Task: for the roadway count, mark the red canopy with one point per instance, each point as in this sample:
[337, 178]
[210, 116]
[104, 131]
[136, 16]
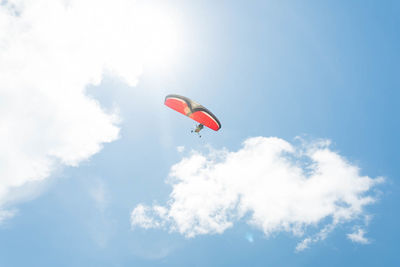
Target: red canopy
[193, 110]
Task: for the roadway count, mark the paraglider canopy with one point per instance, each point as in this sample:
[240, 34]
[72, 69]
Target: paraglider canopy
[193, 110]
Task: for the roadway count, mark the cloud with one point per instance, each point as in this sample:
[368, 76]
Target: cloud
[144, 216]
[273, 185]
[358, 237]
[6, 214]
[321, 235]
[50, 51]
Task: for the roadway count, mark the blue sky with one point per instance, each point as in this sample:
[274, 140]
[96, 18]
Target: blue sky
[267, 68]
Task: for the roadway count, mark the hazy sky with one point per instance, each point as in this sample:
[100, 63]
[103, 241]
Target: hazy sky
[96, 171]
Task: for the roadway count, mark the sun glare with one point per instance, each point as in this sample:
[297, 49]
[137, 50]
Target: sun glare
[160, 34]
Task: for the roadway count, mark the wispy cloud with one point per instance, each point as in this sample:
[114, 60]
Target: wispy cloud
[50, 50]
[358, 237]
[273, 184]
[145, 216]
[321, 235]
[6, 214]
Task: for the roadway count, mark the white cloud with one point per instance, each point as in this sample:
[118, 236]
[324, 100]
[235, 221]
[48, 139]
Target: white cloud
[358, 237]
[270, 183]
[321, 235]
[144, 216]
[50, 50]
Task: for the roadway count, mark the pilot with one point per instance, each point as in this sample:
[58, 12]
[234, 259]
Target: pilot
[198, 129]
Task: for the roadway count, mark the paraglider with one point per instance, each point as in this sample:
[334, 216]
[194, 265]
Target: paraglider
[193, 110]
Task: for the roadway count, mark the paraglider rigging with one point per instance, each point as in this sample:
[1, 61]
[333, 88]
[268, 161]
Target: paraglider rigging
[199, 127]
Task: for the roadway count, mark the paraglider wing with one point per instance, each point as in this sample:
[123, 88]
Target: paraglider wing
[193, 110]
